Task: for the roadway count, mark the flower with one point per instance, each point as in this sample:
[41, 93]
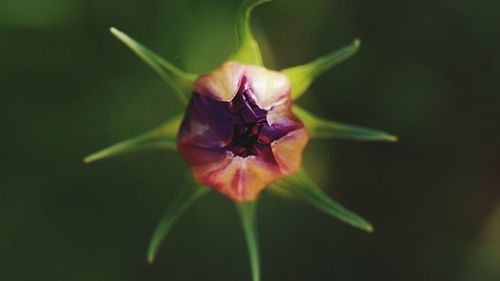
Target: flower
[241, 132]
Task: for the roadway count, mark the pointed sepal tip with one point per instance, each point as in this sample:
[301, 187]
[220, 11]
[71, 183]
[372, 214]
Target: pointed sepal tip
[162, 137]
[305, 188]
[321, 128]
[180, 80]
[302, 76]
[179, 205]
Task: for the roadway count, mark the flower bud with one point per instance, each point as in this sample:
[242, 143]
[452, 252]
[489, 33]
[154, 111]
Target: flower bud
[239, 133]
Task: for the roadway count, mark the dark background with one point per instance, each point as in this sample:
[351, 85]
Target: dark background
[428, 71]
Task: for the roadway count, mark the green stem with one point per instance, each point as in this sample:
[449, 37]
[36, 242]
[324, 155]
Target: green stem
[247, 213]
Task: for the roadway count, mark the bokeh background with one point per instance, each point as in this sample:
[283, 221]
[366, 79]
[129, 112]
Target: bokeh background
[428, 71]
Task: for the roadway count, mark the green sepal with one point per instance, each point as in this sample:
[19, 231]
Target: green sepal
[179, 205]
[302, 76]
[281, 192]
[247, 213]
[303, 187]
[181, 81]
[247, 49]
[321, 128]
[162, 137]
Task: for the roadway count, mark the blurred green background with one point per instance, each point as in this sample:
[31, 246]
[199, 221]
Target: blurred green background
[427, 71]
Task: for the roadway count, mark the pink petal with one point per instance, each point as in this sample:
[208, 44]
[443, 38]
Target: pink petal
[242, 179]
[288, 150]
[239, 133]
[221, 84]
[269, 87]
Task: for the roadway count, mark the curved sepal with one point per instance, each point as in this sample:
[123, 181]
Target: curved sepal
[247, 49]
[302, 76]
[247, 213]
[179, 205]
[181, 81]
[321, 128]
[163, 137]
[303, 187]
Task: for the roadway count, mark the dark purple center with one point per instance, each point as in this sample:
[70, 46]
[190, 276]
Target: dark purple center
[248, 120]
[240, 123]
